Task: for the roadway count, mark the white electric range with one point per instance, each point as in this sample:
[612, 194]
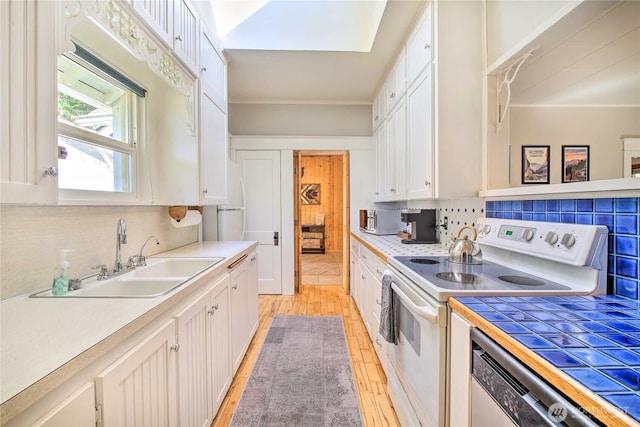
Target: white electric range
[518, 258]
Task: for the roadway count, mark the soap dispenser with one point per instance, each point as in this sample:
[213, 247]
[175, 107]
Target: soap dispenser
[61, 275]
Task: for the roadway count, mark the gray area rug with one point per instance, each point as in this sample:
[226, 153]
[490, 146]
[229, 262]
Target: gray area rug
[302, 377]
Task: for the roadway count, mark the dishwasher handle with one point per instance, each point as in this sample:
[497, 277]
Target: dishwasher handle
[416, 309]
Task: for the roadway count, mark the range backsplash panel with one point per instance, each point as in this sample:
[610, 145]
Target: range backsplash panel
[620, 215]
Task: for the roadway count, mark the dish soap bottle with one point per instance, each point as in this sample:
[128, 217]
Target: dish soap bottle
[61, 278]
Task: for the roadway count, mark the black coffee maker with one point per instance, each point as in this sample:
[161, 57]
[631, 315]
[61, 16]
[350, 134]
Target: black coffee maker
[421, 225]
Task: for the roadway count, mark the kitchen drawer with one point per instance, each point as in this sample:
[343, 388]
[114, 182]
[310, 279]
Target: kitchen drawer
[355, 246]
[372, 262]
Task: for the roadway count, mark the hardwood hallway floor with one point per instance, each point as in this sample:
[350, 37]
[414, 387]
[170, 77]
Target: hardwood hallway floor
[371, 382]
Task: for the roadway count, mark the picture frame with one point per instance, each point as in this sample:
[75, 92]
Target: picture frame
[575, 163]
[310, 194]
[535, 164]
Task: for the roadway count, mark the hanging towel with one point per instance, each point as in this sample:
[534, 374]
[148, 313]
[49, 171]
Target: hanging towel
[387, 311]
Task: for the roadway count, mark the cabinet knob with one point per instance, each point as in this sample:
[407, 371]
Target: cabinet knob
[179, 38]
[203, 69]
[393, 95]
[205, 191]
[175, 347]
[427, 183]
[52, 171]
[427, 46]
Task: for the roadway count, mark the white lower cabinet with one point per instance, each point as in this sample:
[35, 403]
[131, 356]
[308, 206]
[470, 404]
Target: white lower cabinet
[252, 296]
[240, 327]
[140, 388]
[204, 369]
[366, 278]
[75, 411]
[459, 371]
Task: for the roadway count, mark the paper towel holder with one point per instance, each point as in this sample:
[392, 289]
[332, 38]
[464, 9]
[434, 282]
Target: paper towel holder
[179, 212]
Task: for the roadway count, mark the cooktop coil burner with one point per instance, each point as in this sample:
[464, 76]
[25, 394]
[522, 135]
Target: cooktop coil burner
[464, 278]
[522, 280]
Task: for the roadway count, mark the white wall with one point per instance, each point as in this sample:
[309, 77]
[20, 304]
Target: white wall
[598, 127]
[300, 120]
[32, 237]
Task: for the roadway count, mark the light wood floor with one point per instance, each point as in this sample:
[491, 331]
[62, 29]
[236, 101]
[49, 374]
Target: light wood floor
[370, 380]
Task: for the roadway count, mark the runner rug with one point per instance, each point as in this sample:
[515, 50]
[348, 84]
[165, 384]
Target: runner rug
[302, 377]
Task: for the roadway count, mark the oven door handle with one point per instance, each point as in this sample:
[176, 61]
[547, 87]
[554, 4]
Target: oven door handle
[420, 311]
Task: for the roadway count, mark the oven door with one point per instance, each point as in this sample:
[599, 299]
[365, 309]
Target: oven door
[417, 362]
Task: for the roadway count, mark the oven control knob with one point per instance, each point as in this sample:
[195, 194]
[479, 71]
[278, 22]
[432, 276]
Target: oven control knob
[528, 234]
[568, 240]
[486, 229]
[551, 238]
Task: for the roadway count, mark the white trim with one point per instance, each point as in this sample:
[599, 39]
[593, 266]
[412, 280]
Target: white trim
[299, 102]
[287, 232]
[613, 187]
[343, 143]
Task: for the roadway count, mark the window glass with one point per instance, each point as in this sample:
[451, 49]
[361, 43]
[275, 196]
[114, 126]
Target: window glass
[96, 129]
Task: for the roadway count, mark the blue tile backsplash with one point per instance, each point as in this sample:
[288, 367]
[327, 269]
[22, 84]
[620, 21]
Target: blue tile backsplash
[620, 215]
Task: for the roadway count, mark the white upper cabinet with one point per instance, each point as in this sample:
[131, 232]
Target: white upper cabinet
[441, 139]
[177, 24]
[419, 45]
[396, 83]
[158, 15]
[28, 94]
[186, 27]
[213, 138]
[213, 70]
[420, 137]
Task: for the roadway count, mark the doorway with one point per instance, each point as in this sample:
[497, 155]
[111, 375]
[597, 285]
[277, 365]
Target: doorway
[321, 206]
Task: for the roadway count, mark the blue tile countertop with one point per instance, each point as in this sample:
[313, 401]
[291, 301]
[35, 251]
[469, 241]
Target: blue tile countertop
[593, 340]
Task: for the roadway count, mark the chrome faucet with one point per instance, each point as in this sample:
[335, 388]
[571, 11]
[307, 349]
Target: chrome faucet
[120, 239]
[139, 259]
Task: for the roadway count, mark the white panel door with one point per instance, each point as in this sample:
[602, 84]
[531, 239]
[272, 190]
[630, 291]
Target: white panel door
[261, 175]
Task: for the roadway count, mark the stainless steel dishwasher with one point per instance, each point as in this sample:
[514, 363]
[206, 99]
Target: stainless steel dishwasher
[504, 392]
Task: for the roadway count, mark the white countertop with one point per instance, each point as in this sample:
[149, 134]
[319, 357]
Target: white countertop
[392, 245]
[42, 335]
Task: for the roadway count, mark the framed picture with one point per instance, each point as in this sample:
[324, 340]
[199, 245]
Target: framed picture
[575, 163]
[310, 194]
[535, 164]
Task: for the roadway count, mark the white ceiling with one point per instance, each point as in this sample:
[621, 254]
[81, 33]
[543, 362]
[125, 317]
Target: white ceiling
[318, 76]
[597, 64]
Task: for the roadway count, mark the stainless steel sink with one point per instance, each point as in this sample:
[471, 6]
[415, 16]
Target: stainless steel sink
[158, 277]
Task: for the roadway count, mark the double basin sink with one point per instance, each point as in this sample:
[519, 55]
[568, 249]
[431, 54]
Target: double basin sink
[158, 277]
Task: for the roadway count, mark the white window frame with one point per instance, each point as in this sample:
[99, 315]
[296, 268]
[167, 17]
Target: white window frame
[136, 148]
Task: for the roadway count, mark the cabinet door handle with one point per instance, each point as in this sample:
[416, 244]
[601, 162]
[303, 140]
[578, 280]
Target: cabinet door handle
[51, 171]
[237, 262]
[427, 46]
[179, 37]
[175, 347]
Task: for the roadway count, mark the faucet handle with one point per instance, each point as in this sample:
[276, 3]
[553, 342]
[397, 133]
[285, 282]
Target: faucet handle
[104, 271]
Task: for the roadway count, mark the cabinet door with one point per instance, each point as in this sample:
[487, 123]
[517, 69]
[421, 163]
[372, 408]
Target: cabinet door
[219, 343]
[395, 83]
[213, 70]
[420, 157]
[365, 278]
[252, 293]
[353, 278]
[397, 150]
[140, 388]
[213, 152]
[186, 33]
[28, 122]
[390, 158]
[157, 14]
[419, 46]
[239, 309]
[193, 378]
[77, 410]
[381, 161]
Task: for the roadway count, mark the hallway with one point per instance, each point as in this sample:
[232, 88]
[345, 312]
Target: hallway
[322, 301]
[322, 269]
